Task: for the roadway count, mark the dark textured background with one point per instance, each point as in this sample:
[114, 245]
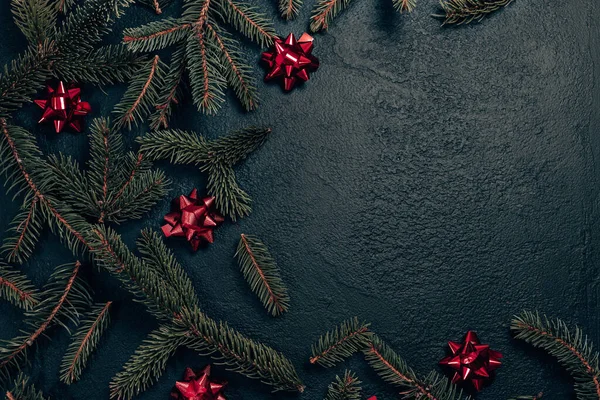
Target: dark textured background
[430, 180]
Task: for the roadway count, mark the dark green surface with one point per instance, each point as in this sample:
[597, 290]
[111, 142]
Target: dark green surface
[430, 180]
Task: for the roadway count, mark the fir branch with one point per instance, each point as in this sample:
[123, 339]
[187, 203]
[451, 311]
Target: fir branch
[346, 388]
[572, 349]
[84, 343]
[17, 288]
[26, 228]
[35, 18]
[289, 9]
[263, 275]
[215, 157]
[247, 20]
[24, 77]
[156, 5]
[148, 363]
[207, 83]
[466, 11]
[63, 6]
[324, 12]
[157, 35]
[64, 297]
[142, 94]
[394, 370]
[404, 5]
[239, 353]
[170, 93]
[106, 65]
[342, 342]
[236, 71]
[23, 390]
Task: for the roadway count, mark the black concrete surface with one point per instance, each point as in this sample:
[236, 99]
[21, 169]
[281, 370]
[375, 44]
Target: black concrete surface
[430, 180]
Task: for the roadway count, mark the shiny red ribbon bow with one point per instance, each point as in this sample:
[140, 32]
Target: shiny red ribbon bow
[192, 218]
[471, 360]
[198, 386]
[291, 59]
[64, 107]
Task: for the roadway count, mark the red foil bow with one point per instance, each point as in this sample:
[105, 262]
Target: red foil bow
[291, 59]
[64, 107]
[192, 218]
[198, 386]
[471, 360]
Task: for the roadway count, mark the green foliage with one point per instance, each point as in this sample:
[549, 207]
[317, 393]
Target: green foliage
[156, 5]
[25, 227]
[404, 5]
[142, 94]
[346, 388]
[394, 370]
[148, 363]
[466, 11]
[117, 186]
[210, 55]
[572, 349]
[342, 342]
[263, 275]
[289, 9]
[35, 18]
[216, 157]
[65, 297]
[85, 341]
[324, 12]
[17, 289]
[23, 390]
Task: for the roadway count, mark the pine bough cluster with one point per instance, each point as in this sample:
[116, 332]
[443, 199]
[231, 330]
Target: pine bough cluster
[115, 186]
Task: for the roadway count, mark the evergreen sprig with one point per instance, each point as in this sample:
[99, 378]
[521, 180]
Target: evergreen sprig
[23, 390]
[263, 274]
[35, 18]
[156, 5]
[572, 349]
[342, 342]
[210, 55]
[466, 11]
[17, 288]
[85, 341]
[344, 388]
[215, 157]
[289, 9]
[65, 297]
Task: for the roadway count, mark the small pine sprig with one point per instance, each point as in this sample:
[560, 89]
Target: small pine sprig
[263, 274]
[324, 12]
[170, 93]
[404, 5]
[289, 9]
[35, 18]
[23, 390]
[26, 227]
[85, 341]
[216, 157]
[344, 388]
[64, 299]
[572, 349]
[394, 370]
[466, 11]
[17, 288]
[141, 95]
[342, 342]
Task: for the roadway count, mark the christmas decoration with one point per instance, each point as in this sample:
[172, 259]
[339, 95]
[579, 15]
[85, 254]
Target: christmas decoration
[262, 274]
[291, 60]
[472, 361]
[192, 218]
[198, 386]
[345, 388]
[64, 107]
[466, 11]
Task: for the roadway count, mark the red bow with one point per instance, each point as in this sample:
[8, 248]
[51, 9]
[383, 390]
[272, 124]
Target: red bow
[193, 219]
[291, 59]
[64, 107]
[471, 360]
[198, 386]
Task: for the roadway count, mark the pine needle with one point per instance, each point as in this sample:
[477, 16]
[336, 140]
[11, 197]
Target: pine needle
[17, 288]
[346, 388]
[289, 9]
[342, 342]
[572, 349]
[85, 341]
[23, 390]
[262, 274]
[466, 11]
[324, 12]
[404, 5]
